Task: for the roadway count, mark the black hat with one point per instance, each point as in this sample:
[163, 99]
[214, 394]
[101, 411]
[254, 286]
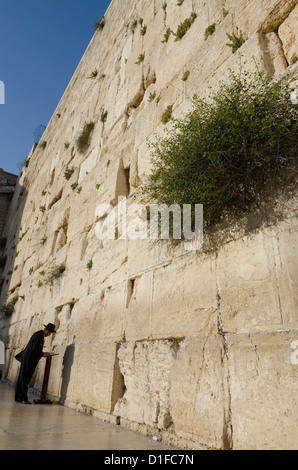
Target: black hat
[50, 327]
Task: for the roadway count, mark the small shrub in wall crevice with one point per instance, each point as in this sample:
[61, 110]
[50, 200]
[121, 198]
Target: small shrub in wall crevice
[233, 147]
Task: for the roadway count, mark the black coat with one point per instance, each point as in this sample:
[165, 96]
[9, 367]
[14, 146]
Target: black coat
[31, 355]
[29, 359]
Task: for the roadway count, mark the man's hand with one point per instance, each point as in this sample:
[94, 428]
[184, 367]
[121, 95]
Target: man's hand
[46, 354]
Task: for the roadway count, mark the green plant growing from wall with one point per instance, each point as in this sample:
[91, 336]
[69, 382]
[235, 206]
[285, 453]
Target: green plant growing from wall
[167, 35]
[152, 96]
[167, 114]
[42, 208]
[104, 116]
[133, 26]
[74, 186]
[140, 59]
[185, 75]
[8, 309]
[83, 141]
[143, 30]
[89, 265]
[69, 172]
[99, 25]
[164, 7]
[224, 13]
[22, 235]
[209, 31]
[93, 74]
[185, 26]
[179, 3]
[56, 272]
[42, 145]
[232, 145]
[236, 41]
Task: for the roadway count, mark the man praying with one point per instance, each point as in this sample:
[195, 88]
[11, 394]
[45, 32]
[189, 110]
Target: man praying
[29, 359]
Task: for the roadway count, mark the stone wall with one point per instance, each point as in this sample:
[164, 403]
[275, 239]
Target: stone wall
[197, 348]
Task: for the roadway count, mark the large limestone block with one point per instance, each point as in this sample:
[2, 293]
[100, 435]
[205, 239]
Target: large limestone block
[137, 314]
[260, 50]
[289, 37]
[198, 395]
[263, 376]
[259, 16]
[112, 312]
[109, 263]
[99, 316]
[184, 298]
[146, 368]
[287, 275]
[249, 293]
[98, 382]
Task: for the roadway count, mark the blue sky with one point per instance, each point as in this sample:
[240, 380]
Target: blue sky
[41, 44]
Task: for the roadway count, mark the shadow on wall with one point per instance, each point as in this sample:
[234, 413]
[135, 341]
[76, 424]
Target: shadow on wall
[10, 284]
[68, 360]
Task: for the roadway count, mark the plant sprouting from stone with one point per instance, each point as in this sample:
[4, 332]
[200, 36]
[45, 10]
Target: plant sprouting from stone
[152, 96]
[140, 59]
[210, 30]
[143, 30]
[69, 172]
[104, 116]
[184, 26]
[228, 149]
[42, 145]
[99, 25]
[93, 74]
[83, 141]
[167, 114]
[8, 308]
[56, 272]
[89, 265]
[224, 13]
[167, 35]
[185, 75]
[74, 186]
[133, 26]
[236, 41]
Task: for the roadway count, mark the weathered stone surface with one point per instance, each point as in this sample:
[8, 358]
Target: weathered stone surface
[288, 35]
[251, 290]
[260, 16]
[200, 400]
[263, 377]
[184, 299]
[146, 367]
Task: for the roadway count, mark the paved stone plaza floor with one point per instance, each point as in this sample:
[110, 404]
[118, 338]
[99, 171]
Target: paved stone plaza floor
[56, 427]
